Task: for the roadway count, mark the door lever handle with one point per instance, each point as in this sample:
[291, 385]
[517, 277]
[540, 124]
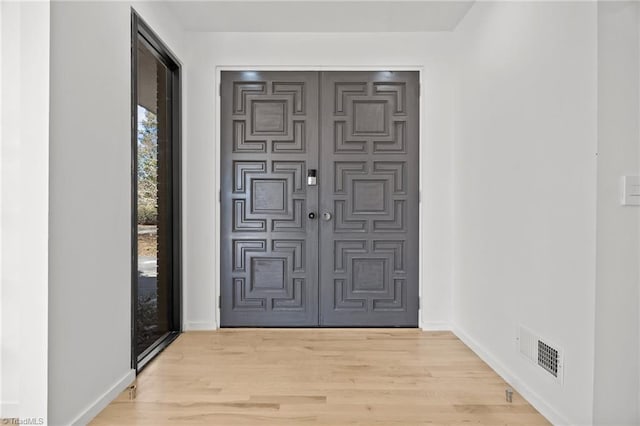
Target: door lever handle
[326, 216]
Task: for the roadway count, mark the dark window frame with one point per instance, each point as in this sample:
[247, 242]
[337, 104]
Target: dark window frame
[140, 29]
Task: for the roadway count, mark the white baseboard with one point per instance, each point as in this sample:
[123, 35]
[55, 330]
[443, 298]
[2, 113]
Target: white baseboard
[200, 326]
[99, 404]
[508, 376]
[436, 326]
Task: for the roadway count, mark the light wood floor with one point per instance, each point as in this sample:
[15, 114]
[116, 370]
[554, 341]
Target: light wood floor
[318, 376]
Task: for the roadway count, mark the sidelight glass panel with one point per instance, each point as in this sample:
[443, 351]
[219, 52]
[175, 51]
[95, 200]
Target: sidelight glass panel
[153, 305]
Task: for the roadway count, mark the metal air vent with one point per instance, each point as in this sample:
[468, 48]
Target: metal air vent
[541, 353]
[548, 358]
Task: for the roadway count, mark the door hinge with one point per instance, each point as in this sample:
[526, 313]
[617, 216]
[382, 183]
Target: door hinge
[220, 89]
[419, 196]
[220, 302]
[219, 195]
[419, 304]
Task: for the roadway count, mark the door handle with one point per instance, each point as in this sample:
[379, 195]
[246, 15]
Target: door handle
[326, 216]
[312, 215]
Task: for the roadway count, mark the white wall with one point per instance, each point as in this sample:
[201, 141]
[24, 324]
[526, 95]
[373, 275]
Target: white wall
[618, 244]
[24, 121]
[209, 50]
[90, 183]
[525, 198]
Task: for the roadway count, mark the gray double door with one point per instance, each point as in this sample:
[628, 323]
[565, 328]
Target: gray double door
[342, 251]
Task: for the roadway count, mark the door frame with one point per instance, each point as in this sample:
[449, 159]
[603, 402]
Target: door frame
[217, 157]
[140, 28]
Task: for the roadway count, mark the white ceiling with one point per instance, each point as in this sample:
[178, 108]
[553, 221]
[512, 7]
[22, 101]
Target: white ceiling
[319, 16]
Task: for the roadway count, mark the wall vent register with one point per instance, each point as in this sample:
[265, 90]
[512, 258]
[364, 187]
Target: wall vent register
[546, 355]
[548, 358]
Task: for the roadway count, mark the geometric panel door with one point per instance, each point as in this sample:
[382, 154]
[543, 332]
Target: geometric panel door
[269, 139]
[339, 253]
[369, 192]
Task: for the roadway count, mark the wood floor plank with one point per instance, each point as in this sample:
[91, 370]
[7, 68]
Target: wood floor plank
[318, 376]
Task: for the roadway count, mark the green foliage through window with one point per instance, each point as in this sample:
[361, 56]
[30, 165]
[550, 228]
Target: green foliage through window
[147, 167]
